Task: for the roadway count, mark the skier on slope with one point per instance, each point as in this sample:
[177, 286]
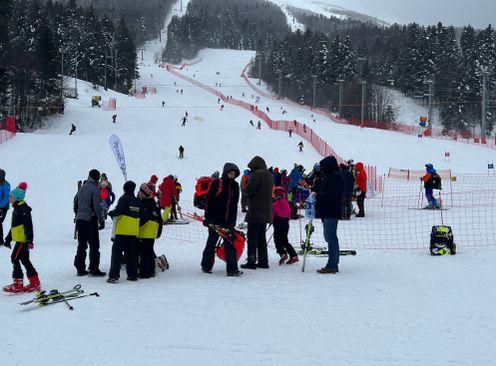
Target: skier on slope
[349, 184]
[107, 197]
[125, 246]
[89, 220]
[432, 181]
[281, 215]
[167, 191]
[181, 152]
[244, 183]
[151, 225]
[222, 210]
[183, 121]
[73, 129]
[21, 233]
[360, 188]
[4, 201]
[259, 125]
[300, 146]
[328, 201]
[259, 193]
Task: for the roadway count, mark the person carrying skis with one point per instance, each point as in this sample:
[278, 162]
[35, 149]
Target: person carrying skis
[259, 193]
[89, 220]
[21, 233]
[360, 188]
[300, 146]
[281, 215]
[4, 201]
[222, 210]
[107, 197]
[151, 225]
[432, 181]
[244, 183]
[328, 201]
[167, 191]
[127, 227]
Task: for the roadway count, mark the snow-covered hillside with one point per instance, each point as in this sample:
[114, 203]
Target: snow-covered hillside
[325, 8]
[383, 308]
[376, 147]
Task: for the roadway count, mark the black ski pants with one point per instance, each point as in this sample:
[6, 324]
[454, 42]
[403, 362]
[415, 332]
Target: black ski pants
[257, 244]
[3, 215]
[146, 258]
[208, 258]
[127, 246]
[87, 237]
[20, 254]
[281, 231]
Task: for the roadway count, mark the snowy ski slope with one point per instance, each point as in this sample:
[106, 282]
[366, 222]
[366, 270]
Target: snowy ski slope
[384, 308]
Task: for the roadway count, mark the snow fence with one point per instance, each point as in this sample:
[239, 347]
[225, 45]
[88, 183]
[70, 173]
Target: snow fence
[298, 128]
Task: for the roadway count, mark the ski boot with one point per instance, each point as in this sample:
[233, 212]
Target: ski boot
[283, 259]
[16, 287]
[34, 284]
[293, 260]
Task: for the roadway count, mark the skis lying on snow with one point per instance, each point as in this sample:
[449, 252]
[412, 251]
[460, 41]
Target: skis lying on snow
[43, 298]
[314, 251]
[176, 222]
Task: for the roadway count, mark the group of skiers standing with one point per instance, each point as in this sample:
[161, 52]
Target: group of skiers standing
[138, 223]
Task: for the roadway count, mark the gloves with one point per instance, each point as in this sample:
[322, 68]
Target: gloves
[206, 223]
[101, 224]
[30, 245]
[7, 244]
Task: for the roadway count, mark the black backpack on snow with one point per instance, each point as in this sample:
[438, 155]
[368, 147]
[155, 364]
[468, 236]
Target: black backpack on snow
[442, 241]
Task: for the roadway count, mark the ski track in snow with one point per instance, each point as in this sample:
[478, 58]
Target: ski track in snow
[384, 308]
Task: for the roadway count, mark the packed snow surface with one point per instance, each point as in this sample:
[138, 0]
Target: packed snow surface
[383, 308]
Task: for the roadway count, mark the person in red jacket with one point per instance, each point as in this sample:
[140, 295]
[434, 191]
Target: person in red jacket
[281, 214]
[167, 192]
[360, 188]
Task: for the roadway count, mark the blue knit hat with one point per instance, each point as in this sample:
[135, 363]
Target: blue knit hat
[20, 192]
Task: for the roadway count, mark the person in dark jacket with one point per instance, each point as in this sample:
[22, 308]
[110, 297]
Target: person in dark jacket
[4, 201]
[259, 193]
[328, 201]
[89, 220]
[21, 233]
[127, 226]
[151, 225]
[349, 184]
[222, 210]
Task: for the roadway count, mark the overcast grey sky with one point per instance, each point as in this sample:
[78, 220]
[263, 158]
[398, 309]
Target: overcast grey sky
[479, 13]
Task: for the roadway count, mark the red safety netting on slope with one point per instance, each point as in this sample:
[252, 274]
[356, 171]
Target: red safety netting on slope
[381, 125]
[300, 129]
[8, 129]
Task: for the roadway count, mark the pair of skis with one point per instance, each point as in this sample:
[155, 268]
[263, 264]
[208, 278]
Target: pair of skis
[43, 298]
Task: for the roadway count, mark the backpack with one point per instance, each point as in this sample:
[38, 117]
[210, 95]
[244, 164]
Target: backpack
[202, 188]
[442, 241]
[436, 181]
